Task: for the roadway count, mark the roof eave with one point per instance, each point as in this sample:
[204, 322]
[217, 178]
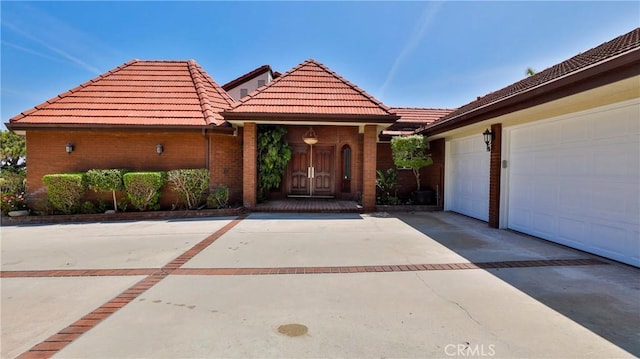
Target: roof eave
[17, 126]
[619, 68]
[266, 117]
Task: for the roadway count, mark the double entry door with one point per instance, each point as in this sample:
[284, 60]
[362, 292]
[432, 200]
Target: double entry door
[322, 182]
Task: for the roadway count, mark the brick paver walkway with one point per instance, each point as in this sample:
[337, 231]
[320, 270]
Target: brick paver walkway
[65, 336]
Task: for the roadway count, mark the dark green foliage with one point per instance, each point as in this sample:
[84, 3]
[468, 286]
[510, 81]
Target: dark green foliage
[385, 182]
[12, 189]
[143, 189]
[13, 150]
[64, 191]
[274, 154]
[190, 184]
[105, 181]
[411, 152]
[219, 198]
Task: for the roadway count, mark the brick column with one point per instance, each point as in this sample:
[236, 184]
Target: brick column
[495, 167]
[249, 165]
[369, 168]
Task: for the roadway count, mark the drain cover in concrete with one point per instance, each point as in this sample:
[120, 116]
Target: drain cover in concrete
[293, 330]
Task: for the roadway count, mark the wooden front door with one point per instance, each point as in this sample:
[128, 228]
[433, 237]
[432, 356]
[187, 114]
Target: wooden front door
[298, 181]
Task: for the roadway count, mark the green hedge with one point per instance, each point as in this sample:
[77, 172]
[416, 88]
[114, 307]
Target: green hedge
[143, 189]
[219, 198]
[190, 184]
[64, 191]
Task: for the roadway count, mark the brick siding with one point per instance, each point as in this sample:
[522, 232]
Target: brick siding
[131, 150]
[494, 176]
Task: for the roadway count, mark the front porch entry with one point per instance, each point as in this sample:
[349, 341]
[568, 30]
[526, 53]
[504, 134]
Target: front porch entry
[301, 182]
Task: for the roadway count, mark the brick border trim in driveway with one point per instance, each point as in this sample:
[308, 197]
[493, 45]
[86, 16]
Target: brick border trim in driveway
[174, 268]
[64, 337]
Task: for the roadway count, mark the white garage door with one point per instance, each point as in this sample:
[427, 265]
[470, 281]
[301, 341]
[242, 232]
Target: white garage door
[575, 180]
[467, 177]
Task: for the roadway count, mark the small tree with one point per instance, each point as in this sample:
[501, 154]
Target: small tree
[13, 150]
[190, 184]
[411, 152]
[105, 181]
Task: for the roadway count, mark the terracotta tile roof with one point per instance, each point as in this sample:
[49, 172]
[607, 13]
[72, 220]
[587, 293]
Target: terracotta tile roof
[248, 76]
[599, 54]
[137, 93]
[411, 118]
[310, 89]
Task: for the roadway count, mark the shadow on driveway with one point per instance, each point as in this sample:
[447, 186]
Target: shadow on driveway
[603, 298]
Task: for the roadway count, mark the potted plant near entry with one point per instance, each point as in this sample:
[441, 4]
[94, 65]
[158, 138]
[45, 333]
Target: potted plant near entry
[412, 152]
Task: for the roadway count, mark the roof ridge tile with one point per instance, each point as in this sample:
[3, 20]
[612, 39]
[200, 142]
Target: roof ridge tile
[205, 103]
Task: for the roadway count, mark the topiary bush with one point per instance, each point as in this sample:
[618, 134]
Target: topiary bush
[411, 152]
[64, 191]
[105, 181]
[190, 184]
[143, 189]
[219, 198]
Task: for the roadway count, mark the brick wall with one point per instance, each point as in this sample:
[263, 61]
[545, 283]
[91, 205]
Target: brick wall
[132, 150]
[494, 176]
[249, 162]
[369, 168]
[431, 177]
[225, 164]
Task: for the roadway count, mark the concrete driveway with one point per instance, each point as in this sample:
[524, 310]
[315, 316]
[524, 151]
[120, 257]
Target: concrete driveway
[301, 285]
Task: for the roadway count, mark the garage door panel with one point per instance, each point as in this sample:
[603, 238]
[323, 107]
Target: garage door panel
[579, 186]
[468, 177]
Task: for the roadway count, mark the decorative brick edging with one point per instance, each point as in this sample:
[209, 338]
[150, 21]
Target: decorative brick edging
[77, 273]
[64, 337]
[386, 268]
[120, 216]
[174, 267]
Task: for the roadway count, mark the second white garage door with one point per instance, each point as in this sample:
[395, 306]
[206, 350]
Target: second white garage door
[575, 180]
[467, 177]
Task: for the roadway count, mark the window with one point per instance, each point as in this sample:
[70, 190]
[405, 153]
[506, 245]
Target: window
[346, 169]
[261, 83]
[243, 93]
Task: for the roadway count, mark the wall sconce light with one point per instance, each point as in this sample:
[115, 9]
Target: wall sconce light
[489, 136]
[159, 149]
[69, 148]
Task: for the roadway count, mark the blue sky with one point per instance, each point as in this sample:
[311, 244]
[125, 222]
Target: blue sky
[417, 54]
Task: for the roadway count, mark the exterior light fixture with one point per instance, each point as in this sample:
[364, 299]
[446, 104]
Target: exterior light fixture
[310, 137]
[159, 149]
[489, 136]
[69, 148]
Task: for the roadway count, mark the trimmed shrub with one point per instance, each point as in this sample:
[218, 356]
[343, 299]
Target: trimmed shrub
[64, 191]
[143, 189]
[105, 181]
[219, 198]
[190, 184]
